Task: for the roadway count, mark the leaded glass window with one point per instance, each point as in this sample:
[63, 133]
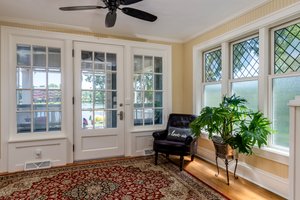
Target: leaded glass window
[286, 53]
[38, 88]
[213, 66]
[245, 61]
[287, 49]
[212, 77]
[148, 90]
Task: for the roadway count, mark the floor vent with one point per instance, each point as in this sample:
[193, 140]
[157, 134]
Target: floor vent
[149, 152]
[37, 165]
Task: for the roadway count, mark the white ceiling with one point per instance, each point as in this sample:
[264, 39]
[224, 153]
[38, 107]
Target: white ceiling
[178, 20]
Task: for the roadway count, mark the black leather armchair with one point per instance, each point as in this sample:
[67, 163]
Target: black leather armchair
[176, 139]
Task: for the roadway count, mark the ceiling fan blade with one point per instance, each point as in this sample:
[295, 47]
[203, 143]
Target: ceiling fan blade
[110, 19]
[128, 2]
[139, 14]
[72, 8]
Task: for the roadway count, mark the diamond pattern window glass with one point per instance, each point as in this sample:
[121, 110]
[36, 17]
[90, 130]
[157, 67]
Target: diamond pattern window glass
[245, 58]
[287, 49]
[213, 66]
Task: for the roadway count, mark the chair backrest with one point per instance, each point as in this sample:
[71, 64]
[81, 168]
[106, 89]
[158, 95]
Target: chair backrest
[180, 120]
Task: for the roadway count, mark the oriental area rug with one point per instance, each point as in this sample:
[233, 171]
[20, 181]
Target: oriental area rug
[121, 179]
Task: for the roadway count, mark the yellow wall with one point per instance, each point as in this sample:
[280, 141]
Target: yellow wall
[270, 7]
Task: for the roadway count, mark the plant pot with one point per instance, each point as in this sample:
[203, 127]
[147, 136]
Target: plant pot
[223, 150]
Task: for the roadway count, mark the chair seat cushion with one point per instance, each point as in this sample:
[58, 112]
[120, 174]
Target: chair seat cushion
[171, 147]
[178, 134]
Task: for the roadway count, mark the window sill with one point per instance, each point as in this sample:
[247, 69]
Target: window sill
[31, 137]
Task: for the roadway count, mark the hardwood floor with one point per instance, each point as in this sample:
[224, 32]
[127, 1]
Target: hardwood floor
[239, 189]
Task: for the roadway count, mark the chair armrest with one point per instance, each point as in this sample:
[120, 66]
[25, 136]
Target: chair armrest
[160, 135]
[190, 139]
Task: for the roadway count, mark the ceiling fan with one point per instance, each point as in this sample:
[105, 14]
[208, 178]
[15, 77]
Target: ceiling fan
[113, 6]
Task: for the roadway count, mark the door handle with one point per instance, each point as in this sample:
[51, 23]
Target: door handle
[121, 115]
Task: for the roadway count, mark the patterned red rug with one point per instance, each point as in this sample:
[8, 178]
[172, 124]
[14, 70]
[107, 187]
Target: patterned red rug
[124, 179]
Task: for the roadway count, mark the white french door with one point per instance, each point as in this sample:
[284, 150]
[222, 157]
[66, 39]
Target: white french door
[99, 101]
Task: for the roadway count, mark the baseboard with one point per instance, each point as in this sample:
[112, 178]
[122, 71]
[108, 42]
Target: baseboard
[262, 178]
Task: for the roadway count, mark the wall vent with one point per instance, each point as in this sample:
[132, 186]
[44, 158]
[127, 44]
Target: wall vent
[148, 152]
[37, 165]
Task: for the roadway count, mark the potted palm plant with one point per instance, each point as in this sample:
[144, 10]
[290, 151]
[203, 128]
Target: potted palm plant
[233, 128]
[233, 123]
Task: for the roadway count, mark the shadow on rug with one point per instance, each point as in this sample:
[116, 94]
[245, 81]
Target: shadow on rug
[124, 179]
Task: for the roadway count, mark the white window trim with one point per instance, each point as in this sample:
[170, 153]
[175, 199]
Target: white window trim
[261, 25]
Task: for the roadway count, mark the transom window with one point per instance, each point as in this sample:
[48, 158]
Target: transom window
[148, 90]
[285, 79]
[38, 88]
[212, 77]
[245, 69]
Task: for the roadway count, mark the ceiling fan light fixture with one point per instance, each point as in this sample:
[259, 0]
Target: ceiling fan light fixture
[110, 19]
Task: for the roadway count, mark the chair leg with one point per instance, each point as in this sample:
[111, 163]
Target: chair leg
[192, 157]
[181, 162]
[156, 156]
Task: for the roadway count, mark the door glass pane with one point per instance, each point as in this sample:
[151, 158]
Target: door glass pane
[39, 56]
[249, 91]
[54, 57]
[111, 60]
[87, 58]
[111, 100]
[99, 61]
[87, 80]
[284, 90]
[158, 64]
[54, 78]
[87, 119]
[111, 119]
[100, 81]
[99, 119]
[138, 64]
[39, 99]
[111, 81]
[39, 78]
[23, 122]
[24, 55]
[54, 121]
[23, 100]
[87, 100]
[148, 64]
[23, 78]
[39, 122]
[99, 99]
[212, 95]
